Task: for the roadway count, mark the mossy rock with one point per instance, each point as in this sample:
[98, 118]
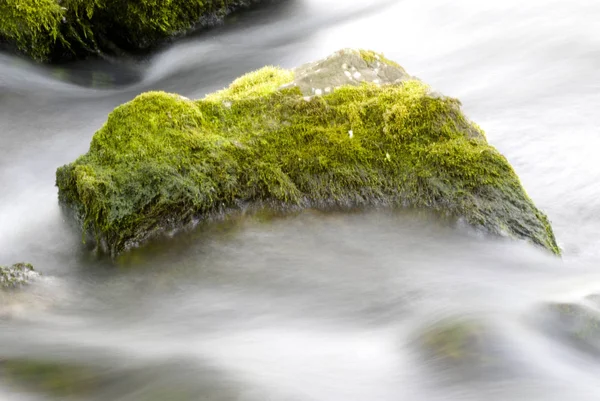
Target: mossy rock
[16, 275]
[162, 161]
[58, 29]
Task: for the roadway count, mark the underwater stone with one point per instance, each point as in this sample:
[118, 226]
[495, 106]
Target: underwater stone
[576, 322]
[161, 161]
[459, 349]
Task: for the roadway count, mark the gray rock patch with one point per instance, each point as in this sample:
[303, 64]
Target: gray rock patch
[346, 67]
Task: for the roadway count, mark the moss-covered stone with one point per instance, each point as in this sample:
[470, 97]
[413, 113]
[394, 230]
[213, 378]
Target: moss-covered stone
[16, 275]
[162, 160]
[58, 28]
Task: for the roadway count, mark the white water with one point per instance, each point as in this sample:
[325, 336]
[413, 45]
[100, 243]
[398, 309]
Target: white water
[318, 307]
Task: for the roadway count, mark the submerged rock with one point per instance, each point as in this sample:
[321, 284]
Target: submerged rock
[57, 29]
[78, 376]
[52, 378]
[16, 275]
[466, 349]
[455, 340]
[162, 161]
[577, 323]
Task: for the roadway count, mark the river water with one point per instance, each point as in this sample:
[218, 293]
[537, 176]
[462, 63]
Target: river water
[318, 306]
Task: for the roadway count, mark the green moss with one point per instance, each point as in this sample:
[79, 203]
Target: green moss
[372, 57]
[255, 84]
[33, 25]
[162, 160]
[54, 28]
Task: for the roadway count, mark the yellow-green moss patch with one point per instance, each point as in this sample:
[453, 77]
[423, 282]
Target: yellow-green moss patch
[372, 57]
[259, 83]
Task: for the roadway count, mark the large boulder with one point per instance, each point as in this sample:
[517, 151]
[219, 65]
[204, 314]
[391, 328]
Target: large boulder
[57, 29]
[352, 130]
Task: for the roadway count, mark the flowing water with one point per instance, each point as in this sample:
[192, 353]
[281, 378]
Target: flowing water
[379, 305]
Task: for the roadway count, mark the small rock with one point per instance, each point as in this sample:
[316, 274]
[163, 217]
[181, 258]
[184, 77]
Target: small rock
[16, 275]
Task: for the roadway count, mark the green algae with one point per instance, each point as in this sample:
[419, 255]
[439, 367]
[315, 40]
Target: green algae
[161, 160]
[46, 29]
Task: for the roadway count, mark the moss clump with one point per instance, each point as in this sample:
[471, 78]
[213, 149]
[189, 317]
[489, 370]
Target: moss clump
[16, 275]
[254, 84]
[372, 57]
[32, 25]
[46, 29]
[162, 160]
